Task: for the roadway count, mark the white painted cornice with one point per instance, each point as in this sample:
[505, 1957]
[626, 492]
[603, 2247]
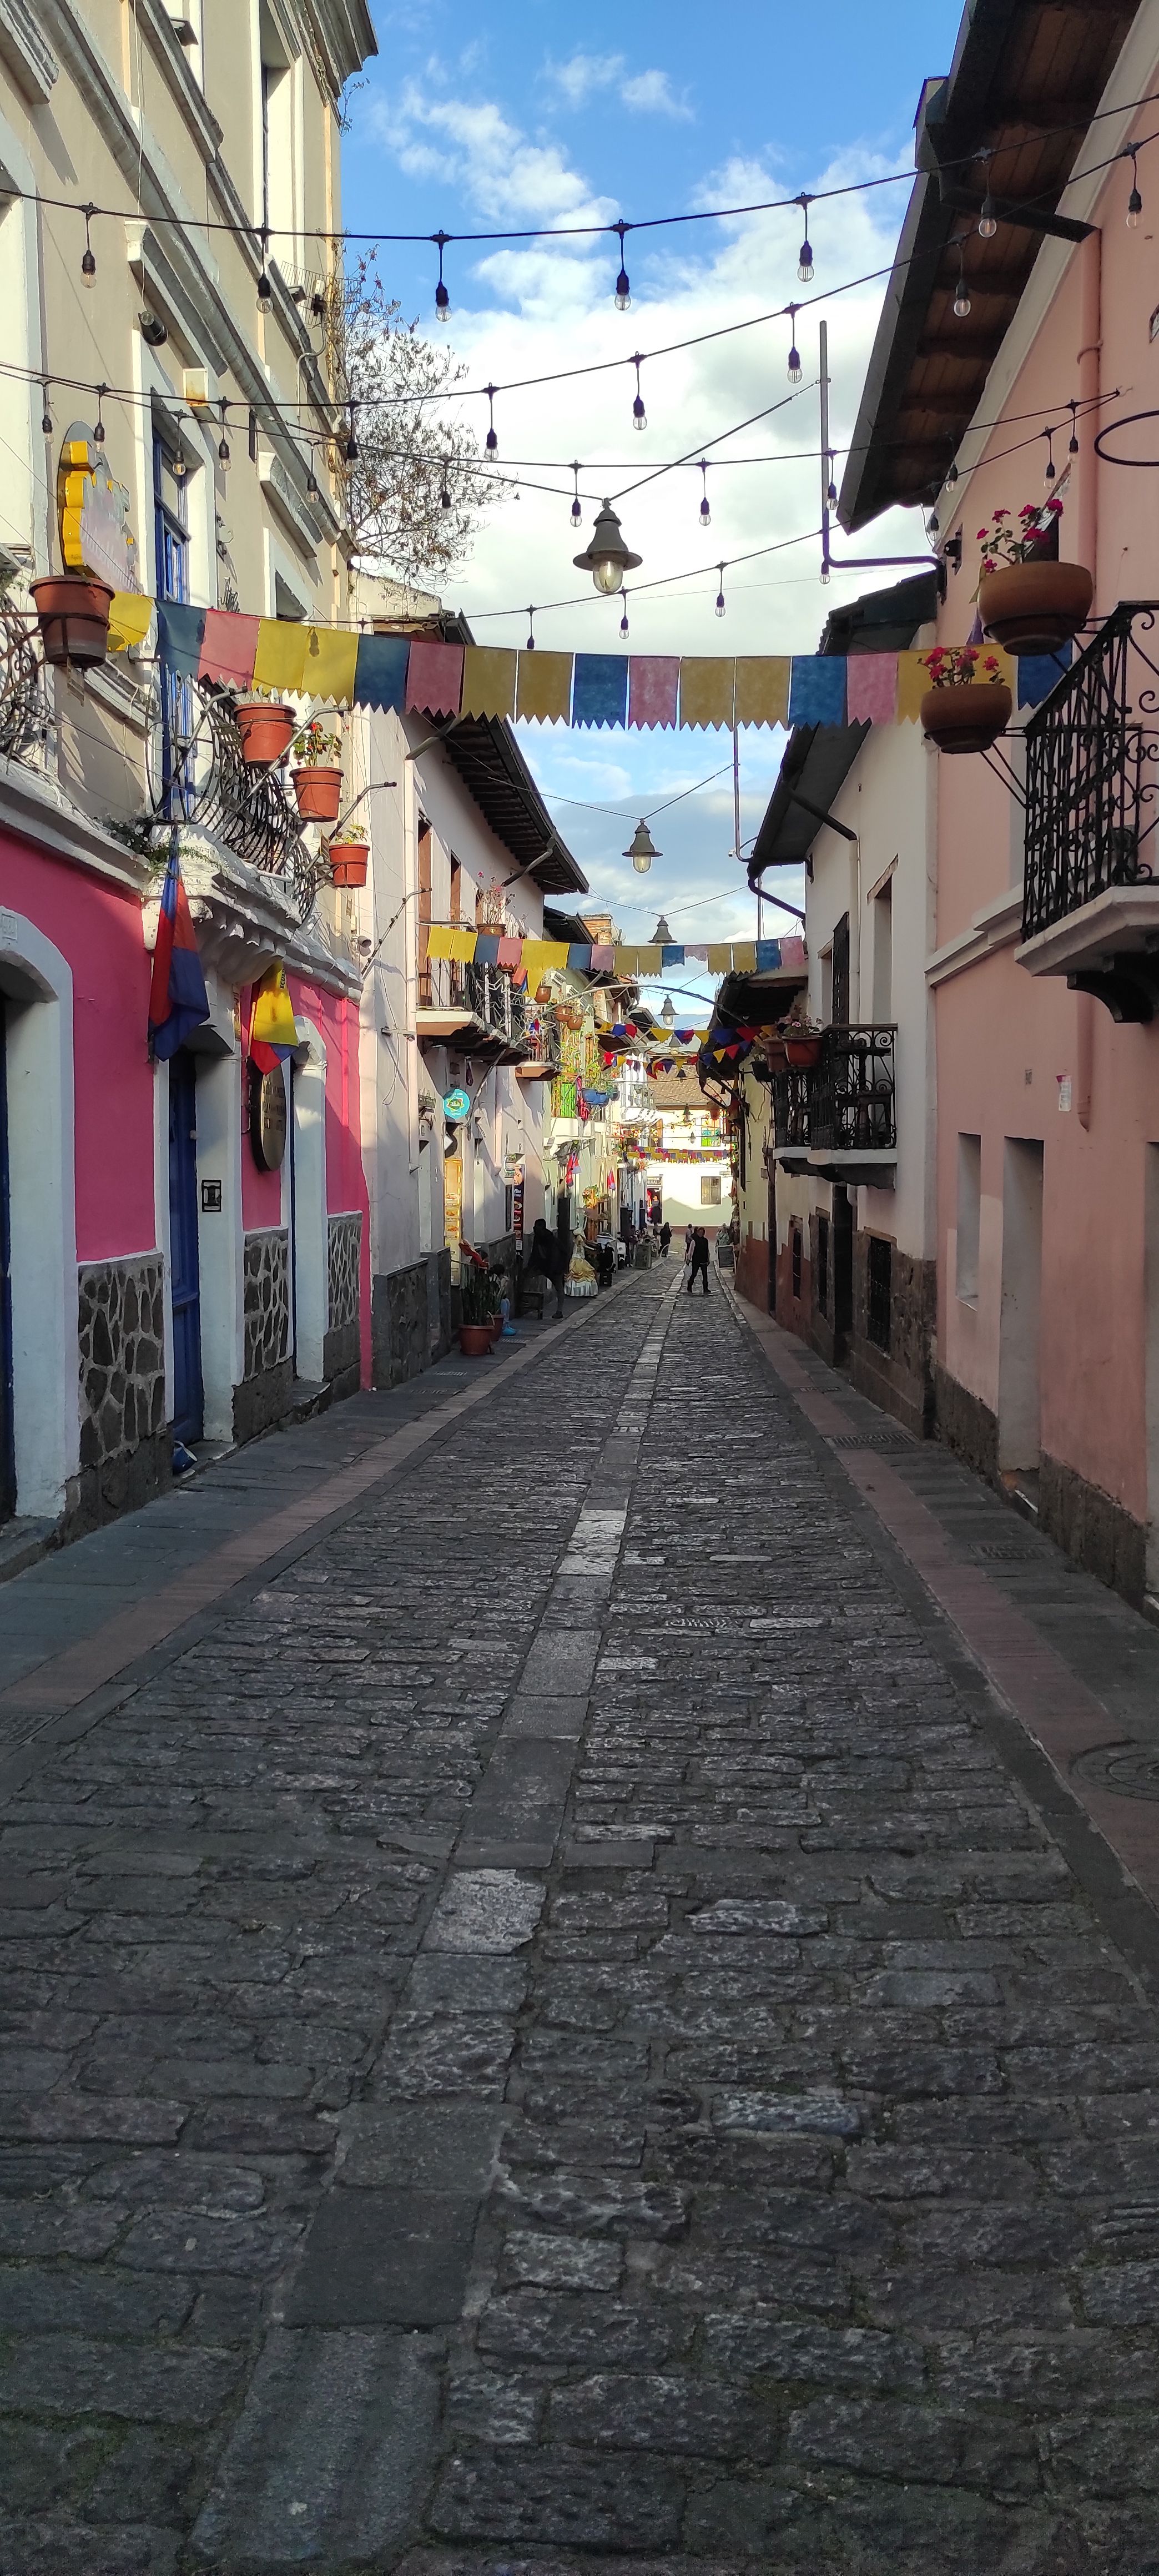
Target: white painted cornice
[245, 918]
[25, 50]
[995, 925]
[35, 807]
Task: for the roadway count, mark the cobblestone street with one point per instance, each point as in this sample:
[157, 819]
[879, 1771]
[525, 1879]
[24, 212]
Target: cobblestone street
[566, 2025]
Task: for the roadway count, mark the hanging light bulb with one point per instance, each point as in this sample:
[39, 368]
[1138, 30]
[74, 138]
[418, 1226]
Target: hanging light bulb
[1049, 475]
[825, 576]
[442, 291]
[529, 647]
[831, 493]
[805, 254]
[1134, 201]
[350, 443]
[952, 477]
[576, 507]
[180, 462]
[1072, 448]
[720, 594]
[961, 298]
[705, 512]
[624, 619]
[639, 415]
[312, 491]
[641, 849]
[265, 290]
[251, 437]
[606, 556]
[987, 220]
[491, 442]
[223, 448]
[932, 524]
[445, 490]
[46, 415]
[623, 286]
[98, 425]
[794, 352]
[88, 266]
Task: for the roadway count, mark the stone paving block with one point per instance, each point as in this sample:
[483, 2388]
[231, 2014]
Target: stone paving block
[384, 2257]
[561, 1664]
[68, 2374]
[543, 1716]
[485, 1910]
[324, 2465]
[432, 2146]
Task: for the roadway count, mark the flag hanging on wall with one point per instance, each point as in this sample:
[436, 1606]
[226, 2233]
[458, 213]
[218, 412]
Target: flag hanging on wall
[178, 1001]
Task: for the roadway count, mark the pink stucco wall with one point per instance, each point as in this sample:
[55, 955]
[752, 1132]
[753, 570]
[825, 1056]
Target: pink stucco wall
[1004, 1037]
[98, 931]
[337, 1020]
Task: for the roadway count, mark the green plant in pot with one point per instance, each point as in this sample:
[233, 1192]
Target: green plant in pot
[967, 704]
[1028, 600]
[317, 774]
[475, 1335]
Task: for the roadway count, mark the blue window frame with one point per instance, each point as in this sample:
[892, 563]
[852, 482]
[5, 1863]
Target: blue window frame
[171, 536]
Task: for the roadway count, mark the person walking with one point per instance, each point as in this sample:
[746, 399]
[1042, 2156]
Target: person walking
[545, 1259]
[699, 1260]
[665, 1239]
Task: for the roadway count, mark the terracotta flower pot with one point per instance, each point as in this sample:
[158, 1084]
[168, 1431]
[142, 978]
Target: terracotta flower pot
[73, 610]
[319, 793]
[348, 862]
[966, 715]
[803, 1053]
[475, 1340]
[1035, 607]
[266, 731]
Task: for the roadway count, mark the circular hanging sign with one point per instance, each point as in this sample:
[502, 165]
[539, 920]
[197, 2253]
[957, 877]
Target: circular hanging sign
[456, 1105]
[268, 1118]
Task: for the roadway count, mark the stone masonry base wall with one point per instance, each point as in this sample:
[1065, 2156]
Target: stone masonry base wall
[410, 1318]
[966, 1425]
[125, 1447]
[1092, 1528]
[898, 1379]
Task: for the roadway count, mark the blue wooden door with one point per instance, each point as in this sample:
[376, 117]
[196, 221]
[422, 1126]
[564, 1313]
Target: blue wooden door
[188, 1404]
[7, 1458]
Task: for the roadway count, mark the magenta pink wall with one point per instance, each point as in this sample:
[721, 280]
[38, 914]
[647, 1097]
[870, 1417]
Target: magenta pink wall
[996, 1023]
[99, 932]
[336, 1019]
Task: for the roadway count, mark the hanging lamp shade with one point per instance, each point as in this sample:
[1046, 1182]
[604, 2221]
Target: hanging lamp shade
[661, 936]
[668, 1013]
[641, 849]
[606, 556]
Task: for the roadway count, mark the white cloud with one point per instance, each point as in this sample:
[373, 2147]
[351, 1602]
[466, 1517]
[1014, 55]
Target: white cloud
[650, 93]
[508, 177]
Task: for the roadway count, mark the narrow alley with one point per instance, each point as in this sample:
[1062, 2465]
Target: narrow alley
[555, 2018]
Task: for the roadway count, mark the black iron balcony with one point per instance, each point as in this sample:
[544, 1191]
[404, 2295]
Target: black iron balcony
[24, 712]
[1092, 781]
[843, 1104]
[198, 776]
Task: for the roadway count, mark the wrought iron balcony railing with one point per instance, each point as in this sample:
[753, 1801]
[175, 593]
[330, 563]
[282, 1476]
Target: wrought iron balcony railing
[1091, 774]
[197, 775]
[24, 708]
[845, 1103]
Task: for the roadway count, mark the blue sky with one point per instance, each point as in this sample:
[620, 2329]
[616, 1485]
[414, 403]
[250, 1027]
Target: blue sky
[528, 116]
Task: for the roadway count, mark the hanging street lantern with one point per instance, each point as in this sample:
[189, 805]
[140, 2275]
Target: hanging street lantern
[606, 556]
[641, 849]
[668, 1013]
[661, 936]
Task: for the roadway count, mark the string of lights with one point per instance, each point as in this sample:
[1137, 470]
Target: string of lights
[618, 228]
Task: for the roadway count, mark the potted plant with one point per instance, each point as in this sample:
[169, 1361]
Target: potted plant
[966, 707]
[72, 610]
[348, 859]
[475, 1335]
[318, 777]
[1026, 601]
[266, 728]
[801, 1038]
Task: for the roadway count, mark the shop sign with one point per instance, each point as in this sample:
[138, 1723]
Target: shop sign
[453, 1208]
[93, 512]
[267, 1118]
[517, 1207]
[456, 1106]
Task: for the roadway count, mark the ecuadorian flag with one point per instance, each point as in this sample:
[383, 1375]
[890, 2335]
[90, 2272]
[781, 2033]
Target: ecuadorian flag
[178, 1001]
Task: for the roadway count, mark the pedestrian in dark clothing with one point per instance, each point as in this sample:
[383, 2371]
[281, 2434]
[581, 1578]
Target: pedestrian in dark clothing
[665, 1239]
[699, 1260]
[545, 1260]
